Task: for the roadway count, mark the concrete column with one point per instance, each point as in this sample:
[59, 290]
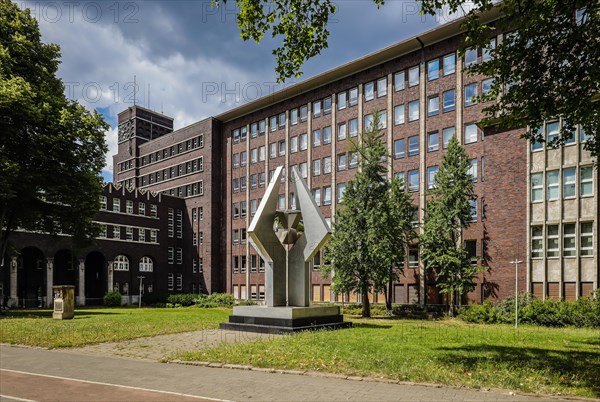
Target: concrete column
[49, 282]
[110, 277]
[81, 297]
[13, 301]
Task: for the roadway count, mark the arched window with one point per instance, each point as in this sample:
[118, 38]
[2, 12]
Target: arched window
[146, 264]
[121, 263]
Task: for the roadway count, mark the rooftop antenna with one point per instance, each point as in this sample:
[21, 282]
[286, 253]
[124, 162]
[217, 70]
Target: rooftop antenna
[161, 108]
[149, 97]
[134, 86]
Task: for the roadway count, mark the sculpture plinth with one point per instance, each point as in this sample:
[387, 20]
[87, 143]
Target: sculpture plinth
[287, 248]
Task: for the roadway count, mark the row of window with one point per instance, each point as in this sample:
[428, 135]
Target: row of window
[173, 150]
[129, 233]
[240, 264]
[373, 89]
[239, 292]
[121, 263]
[570, 177]
[299, 143]
[196, 165]
[550, 132]
[569, 240]
[129, 207]
[189, 190]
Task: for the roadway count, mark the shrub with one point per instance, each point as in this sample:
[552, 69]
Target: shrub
[479, 313]
[112, 299]
[246, 303]
[214, 300]
[584, 312]
[183, 299]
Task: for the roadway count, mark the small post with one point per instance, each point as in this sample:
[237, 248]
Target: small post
[516, 262]
[141, 278]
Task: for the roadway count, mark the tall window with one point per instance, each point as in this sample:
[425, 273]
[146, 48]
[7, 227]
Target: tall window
[586, 181]
[399, 150]
[413, 76]
[327, 164]
[341, 100]
[537, 187]
[471, 94]
[450, 64]
[537, 242]
[381, 87]
[447, 135]
[413, 110]
[433, 70]
[449, 103]
[569, 183]
[552, 244]
[431, 172]
[552, 131]
[552, 185]
[433, 105]
[116, 205]
[413, 145]
[473, 169]
[470, 56]
[433, 141]
[353, 127]
[399, 114]
[413, 180]
[341, 135]
[146, 264]
[327, 195]
[586, 238]
[353, 95]
[569, 248]
[470, 133]
[369, 89]
[121, 263]
[399, 79]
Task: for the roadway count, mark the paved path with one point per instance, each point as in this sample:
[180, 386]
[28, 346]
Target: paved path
[91, 377]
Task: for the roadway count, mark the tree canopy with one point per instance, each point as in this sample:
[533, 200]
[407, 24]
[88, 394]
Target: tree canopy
[51, 149]
[549, 69]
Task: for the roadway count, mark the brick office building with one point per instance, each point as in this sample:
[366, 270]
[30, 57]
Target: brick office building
[534, 204]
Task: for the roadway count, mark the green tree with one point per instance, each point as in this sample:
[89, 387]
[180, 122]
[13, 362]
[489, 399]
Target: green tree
[447, 213]
[550, 69]
[51, 149]
[366, 249]
[396, 233]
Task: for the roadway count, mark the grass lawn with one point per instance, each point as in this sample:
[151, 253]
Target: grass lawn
[536, 359]
[37, 328]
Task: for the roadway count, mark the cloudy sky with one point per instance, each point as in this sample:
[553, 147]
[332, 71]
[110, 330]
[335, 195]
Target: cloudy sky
[188, 58]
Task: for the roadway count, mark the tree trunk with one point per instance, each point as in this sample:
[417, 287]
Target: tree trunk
[366, 305]
[388, 297]
[451, 309]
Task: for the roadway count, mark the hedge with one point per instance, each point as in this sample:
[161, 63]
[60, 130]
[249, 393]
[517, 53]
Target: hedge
[583, 312]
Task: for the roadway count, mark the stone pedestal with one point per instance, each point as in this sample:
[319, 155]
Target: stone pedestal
[283, 320]
[64, 302]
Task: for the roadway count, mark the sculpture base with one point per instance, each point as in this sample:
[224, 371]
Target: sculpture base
[284, 320]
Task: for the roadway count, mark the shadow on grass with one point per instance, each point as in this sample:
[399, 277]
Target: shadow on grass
[574, 369]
